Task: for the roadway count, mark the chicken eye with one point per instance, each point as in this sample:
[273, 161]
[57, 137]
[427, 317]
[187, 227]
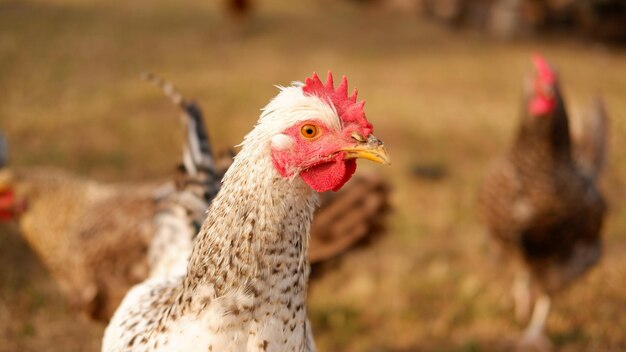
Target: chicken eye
[309, 131]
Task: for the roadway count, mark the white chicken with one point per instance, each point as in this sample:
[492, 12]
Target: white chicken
[246, 281]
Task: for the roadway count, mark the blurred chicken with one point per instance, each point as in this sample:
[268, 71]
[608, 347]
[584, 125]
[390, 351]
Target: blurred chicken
[541, 202]
[92, 237]
[98, 240]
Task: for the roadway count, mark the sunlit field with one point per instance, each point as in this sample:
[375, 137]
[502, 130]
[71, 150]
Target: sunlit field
[71, 96]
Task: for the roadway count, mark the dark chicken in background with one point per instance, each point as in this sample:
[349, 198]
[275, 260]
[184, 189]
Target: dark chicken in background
[541, 202]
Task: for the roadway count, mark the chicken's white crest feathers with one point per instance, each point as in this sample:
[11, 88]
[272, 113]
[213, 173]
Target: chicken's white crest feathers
[288, 108]
[291, 106]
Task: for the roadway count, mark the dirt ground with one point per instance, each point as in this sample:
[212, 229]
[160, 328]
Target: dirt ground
[441, 99]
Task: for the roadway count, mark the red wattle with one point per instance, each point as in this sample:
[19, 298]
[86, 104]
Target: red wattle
[350, 167]
[6, 215]
[7, 199]
[7, 202]
[540, 106]
[329, 176]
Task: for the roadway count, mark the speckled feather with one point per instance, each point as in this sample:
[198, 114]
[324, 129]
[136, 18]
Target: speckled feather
[76, 226]
[245, 288]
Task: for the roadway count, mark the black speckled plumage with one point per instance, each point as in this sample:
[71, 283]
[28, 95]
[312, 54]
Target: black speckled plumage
[541, 206]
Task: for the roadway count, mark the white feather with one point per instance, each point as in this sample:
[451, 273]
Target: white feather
[282, 142]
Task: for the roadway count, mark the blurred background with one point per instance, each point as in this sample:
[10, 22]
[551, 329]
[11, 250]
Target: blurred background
[442, 80]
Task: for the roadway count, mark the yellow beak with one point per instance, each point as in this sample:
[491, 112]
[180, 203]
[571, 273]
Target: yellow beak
[373, 149]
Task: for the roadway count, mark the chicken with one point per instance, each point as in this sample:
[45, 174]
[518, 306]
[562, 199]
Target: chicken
[85, 235]
[541, 206]
[246, 281]
[98, 240]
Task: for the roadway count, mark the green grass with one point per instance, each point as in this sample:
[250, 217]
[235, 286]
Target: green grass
[72, 97]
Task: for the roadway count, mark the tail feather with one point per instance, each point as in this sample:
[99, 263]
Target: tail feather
[197, 139]
[198, 154]
[590, 136]
[199, 180]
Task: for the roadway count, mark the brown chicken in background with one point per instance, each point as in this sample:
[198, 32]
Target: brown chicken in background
[98, 240]
[541, 202]
[92, 237]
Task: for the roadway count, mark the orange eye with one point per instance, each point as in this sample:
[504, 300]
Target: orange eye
[309, 131]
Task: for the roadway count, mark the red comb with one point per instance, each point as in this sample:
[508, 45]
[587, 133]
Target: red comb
[545, 73]
[348, 109]
[543, 103]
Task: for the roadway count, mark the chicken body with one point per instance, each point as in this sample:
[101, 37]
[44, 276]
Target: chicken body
[78, 226]
[246, 285]
[545, 212]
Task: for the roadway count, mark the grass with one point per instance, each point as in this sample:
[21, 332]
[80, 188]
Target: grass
[72, 97]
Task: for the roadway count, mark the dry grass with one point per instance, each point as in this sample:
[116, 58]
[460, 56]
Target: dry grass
[71, 97]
